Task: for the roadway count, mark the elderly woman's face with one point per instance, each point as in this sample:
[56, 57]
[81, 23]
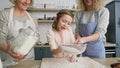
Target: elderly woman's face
[88, 2]
[23, 4]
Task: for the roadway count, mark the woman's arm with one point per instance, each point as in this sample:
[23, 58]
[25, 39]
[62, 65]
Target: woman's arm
[103, 21]
[3, 30]
[90, 38]
[4, 44]
[77, 35]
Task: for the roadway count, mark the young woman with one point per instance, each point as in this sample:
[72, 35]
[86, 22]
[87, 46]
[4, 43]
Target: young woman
[61, 34]
[91, 25]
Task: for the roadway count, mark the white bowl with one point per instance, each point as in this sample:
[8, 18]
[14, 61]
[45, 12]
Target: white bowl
[74, 49]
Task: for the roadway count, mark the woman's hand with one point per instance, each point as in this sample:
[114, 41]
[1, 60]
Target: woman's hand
[13, 54]
[82, 40]
[77, 38]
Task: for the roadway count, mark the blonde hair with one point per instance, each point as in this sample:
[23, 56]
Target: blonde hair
[97, 4]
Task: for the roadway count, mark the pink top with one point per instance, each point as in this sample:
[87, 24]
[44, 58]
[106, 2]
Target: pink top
[55, 40]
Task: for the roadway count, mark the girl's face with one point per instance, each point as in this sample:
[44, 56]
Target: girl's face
[22, 4]
[88, 2]
[64, 22]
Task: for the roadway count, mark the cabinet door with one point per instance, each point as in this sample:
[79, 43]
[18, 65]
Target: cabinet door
[38, 53]
[117, 20]
[46, 52]
[114, 27]
[42, 52]
[110, 35]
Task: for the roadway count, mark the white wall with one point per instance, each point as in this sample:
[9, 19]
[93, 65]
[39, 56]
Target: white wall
[5, 4]
[108, 1]
[43, 27]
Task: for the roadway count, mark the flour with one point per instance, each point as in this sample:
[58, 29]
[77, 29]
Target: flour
[84, 62]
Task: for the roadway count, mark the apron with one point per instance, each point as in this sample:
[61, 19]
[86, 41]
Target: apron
[15, 26]
[94, 49]
[1, 63]
[13, 30]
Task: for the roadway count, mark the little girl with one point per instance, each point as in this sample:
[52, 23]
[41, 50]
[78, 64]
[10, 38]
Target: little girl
[61, 34]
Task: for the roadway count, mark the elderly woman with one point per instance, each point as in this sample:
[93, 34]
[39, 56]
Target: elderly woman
[91, 25]
[11, 21]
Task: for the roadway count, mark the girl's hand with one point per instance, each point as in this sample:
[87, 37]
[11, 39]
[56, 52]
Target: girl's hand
[72, 58]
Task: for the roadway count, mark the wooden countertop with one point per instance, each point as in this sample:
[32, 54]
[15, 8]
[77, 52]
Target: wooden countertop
[27, 64]
[37, 63]
[106, 45]
[107, 61]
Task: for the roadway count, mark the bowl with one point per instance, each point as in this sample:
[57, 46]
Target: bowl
[74, 49]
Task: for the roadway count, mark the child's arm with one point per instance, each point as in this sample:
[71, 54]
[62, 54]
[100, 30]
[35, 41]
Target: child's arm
[56, 51]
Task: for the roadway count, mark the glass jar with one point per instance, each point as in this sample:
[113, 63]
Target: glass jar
[23, 43]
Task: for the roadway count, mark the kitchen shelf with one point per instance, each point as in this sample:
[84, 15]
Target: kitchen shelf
[49, 9]
[46, 21]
